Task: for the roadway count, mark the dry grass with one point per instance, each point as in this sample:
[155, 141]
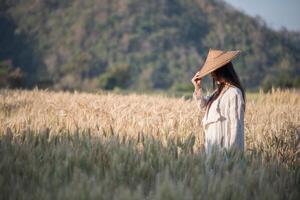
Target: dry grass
[65, 145]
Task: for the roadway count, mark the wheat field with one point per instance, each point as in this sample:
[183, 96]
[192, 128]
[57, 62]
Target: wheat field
[70, 145]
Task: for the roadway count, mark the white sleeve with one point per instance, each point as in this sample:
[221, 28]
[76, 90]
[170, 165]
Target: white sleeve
[236, 120]
[200, 100]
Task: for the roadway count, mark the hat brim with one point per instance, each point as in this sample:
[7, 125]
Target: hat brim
[211, 66]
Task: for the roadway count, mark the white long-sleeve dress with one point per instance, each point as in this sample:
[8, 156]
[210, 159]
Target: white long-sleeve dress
[223, 124]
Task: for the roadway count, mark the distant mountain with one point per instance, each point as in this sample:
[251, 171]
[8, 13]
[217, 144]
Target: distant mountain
[139, 44]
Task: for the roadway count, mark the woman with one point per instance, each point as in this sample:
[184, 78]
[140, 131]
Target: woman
[223, 121]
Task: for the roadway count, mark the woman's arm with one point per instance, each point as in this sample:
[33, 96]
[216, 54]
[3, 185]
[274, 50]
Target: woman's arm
[197, 95]
[200, 100]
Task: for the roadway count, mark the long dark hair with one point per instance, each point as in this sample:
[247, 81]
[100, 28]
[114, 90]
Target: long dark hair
[228, 74]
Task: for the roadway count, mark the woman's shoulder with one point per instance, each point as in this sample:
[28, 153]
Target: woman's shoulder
[233, 91]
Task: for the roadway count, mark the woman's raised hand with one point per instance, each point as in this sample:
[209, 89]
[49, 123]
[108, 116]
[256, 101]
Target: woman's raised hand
[196, 81]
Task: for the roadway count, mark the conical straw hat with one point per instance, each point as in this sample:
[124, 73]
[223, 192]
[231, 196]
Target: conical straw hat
[216, 59]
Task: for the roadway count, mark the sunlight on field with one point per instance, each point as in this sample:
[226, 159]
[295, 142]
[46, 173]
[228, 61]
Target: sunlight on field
[60, 144]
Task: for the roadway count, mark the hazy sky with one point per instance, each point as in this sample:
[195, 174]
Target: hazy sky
[276, 13]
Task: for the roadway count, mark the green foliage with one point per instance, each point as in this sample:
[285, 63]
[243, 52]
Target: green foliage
[9, 75]
[5, 68]
[55, 40]
[161, 77]
[117, 76]
[296, 82]
[182, 87]
[282, 80]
